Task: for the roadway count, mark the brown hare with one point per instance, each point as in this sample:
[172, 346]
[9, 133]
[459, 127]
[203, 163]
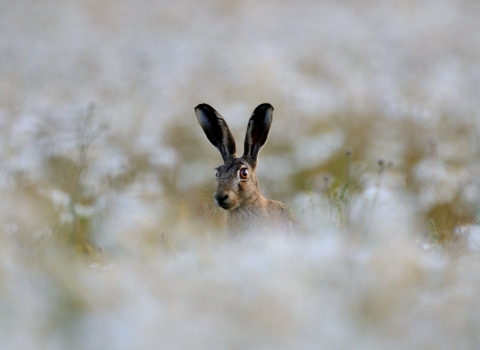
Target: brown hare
[237, 184]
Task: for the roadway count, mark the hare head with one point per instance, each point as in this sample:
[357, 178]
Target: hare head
[237, 184]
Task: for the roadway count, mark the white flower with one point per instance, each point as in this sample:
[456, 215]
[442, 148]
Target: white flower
[60, 199]
[103, 268]
[44, 233]
[11, 229]
[66, 218]
[85, 211]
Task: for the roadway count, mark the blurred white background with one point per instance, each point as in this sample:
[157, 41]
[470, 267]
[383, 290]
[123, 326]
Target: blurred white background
[110, 238]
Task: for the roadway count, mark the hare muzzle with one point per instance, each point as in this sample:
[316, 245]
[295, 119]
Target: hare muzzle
[221, 199]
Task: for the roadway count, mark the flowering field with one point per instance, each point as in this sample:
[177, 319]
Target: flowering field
[109, 237]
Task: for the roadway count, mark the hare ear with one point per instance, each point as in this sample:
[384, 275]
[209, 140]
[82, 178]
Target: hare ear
[257, 132]
[217, 131]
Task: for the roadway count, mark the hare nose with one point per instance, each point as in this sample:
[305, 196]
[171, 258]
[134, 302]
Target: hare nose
[220, 197]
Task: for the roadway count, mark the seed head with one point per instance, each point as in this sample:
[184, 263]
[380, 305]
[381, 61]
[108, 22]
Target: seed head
[348, 152]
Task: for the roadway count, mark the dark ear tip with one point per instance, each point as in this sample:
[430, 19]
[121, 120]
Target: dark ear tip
[204, 106]
[263, 107]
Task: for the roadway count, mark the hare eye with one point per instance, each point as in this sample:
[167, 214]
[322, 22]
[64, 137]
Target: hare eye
[243, 173]
[216, 173]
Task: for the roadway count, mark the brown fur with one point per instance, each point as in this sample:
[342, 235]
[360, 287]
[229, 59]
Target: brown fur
[264, 215]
